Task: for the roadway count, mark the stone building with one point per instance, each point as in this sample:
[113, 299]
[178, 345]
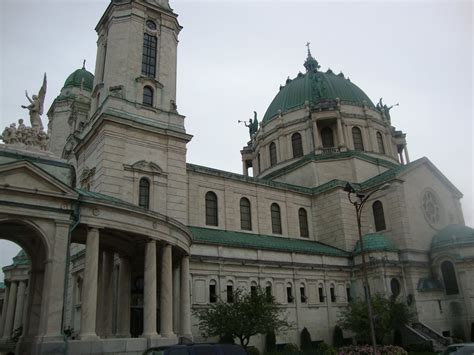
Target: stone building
[125, 238]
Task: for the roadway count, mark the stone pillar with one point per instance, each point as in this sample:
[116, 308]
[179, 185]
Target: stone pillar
[166, 289]
[107, 295]
[100, 293]
[89, 288]
[340, 134]
[124, 285]
[185, 312]
[317, 141]
[176, 298]
[149, 292]
[20, 303]
[245, 171]
[7, 330]
[407, 158]
[4, 309]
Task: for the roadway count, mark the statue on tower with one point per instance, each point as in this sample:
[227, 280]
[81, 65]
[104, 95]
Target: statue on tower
[36, 106]
[384, 109]
[252, 125]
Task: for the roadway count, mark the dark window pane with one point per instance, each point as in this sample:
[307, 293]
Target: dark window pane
[379, 217]
[380, 143]
[357, 138]
[245, 214]
[348, 293]
[321, 294]
[327, 137]
[212, 293]
[395, 287]
[289, 294]
[303, 219]
[148, 96]
[230, 294]
[449, 278]
[149, 55]
[259, 163]
[333, 294]
[297, 145]
[144, 193]
[276, 219]
[211, 209]
[273, 154]
[303, 294]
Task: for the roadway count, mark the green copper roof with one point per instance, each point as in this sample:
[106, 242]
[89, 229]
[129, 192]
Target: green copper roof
[375, 242]
[80, 78]
[259, 241]
[315, 87]
[453, 235]
[21, 258]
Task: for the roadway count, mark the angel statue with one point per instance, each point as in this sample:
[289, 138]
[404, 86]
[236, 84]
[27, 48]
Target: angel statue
[36, 107]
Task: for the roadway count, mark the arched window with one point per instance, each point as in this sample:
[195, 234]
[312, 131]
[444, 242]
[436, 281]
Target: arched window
[321, 293]
[395, 287]
[327, 137]
[380, 143]
[297, 145]
[148, 96]
[449, 278]
[273, 154]
[211, 209]
[303, 219]
[276, 218]
[357, 138]
[149, 55]
[268, 290]
[303, 293]
[289, 293]
[332, 291]
[379, 217]
[259, 160]
[253, 288]
[230, 292]
[245, 214]
[144, 193]
[212, 291]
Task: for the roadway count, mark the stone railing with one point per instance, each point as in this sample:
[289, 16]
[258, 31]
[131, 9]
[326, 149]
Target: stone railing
[430, 333]
[330, 150]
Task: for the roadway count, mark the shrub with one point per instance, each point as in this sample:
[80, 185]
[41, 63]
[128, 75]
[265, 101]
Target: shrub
[368, 350]
[337, 337]
[305, 339]
[325, 349]
[226, 339]
[291, 348]
[270, 341]
[420, 347]
[251, 350]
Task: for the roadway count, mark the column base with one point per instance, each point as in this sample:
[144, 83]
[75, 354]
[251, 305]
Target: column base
[88, 336]
[128, 335]
[150, 336]
[170, 335]
[186, 336]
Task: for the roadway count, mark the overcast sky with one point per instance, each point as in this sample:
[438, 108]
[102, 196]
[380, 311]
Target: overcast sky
[233, 55]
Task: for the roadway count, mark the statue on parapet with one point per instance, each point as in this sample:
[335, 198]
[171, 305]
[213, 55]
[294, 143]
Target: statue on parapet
[36, 106]
[384, 109]
[252, 125]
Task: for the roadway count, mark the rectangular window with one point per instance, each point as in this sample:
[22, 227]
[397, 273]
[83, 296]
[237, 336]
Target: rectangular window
[230, 294]
[333, 294]
[348, 293]
[149, 55]
[289, 295]
[212, 294]
[321, 294]
[303, 294]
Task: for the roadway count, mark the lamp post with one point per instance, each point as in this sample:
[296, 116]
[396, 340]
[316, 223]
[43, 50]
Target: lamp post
[359, 203]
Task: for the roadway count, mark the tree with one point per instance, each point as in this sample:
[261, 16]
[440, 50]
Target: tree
[249, 314]
[389, 315]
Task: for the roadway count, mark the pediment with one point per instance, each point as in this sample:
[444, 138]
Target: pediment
[145, 167]
[26, 177]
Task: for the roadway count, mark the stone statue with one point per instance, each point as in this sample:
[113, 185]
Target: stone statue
[252, 125]
[36, 106]
[384, 109]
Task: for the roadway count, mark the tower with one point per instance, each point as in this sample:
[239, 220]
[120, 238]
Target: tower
[133, 145]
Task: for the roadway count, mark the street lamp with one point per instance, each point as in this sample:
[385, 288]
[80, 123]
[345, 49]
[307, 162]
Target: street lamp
[359, 203]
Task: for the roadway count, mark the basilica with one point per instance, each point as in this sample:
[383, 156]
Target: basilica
[122, 239]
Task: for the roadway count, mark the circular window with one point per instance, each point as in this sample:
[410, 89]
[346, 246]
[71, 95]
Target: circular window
[431, 207]
[395, 287]
[151, 24]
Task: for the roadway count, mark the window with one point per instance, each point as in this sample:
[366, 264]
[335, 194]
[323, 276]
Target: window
[379, 218]
[253, 288]
[297, 145]
[289, 294]
[276, 218]
[151, 25]
[211, 209]
[149, 55]
[395, 287]
[230, 292]
[273, 154]
[259, 163]
[303, 294]
[245, 214]
[321, 293]
[357, 138]
[327, 137]
[268, 290]
[449, 278]
[333, 293]
[348, 294]
[212, 292]
[144, 193]
[148, 96]
[380, 143]
[303, 219]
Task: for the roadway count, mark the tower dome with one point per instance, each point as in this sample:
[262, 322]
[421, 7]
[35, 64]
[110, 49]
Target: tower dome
[80, 78]
[315, 87]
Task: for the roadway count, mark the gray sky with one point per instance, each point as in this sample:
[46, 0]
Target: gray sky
[233, 55]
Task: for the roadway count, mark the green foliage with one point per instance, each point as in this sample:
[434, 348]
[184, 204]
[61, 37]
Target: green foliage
[226, 339]
[305, 339]
[291, 348]
[270, 341]
[325, 349]
[251, 350]
[249, 314]
[337, 337]
[388, 316]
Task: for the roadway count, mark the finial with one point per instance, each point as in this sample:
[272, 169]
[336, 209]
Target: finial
[311, 64]
[84, 64]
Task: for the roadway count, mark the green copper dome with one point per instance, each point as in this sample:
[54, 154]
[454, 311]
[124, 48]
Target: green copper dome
[80, 78]
[375, 242]
[315, 87]
[454, 234]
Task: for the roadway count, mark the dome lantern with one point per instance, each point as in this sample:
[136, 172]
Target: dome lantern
[311, 64]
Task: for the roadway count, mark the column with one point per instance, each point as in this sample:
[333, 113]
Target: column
[149, 292]
[407, 158]
[176, 298]
[124, 284]
[185, 312]
[100, 296]
[340, 135]
[89, 288]
[7, 330]
[20, 302]
[317, 141]
[166, 299]
[107, 295]
[4, 309]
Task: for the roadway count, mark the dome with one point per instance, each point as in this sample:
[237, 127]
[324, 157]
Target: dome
[315, 87]
[80, 77]
[454, 234]
[375, 242]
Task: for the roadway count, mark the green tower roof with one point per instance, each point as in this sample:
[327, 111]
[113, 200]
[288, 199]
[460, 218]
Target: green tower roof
[314, 87]
[454, 234]
[80, 77]
[375, 242]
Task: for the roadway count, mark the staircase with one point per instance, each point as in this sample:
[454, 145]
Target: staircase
[428, 334]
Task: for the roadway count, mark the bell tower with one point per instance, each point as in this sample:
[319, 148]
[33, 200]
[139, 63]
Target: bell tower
[133, 145]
